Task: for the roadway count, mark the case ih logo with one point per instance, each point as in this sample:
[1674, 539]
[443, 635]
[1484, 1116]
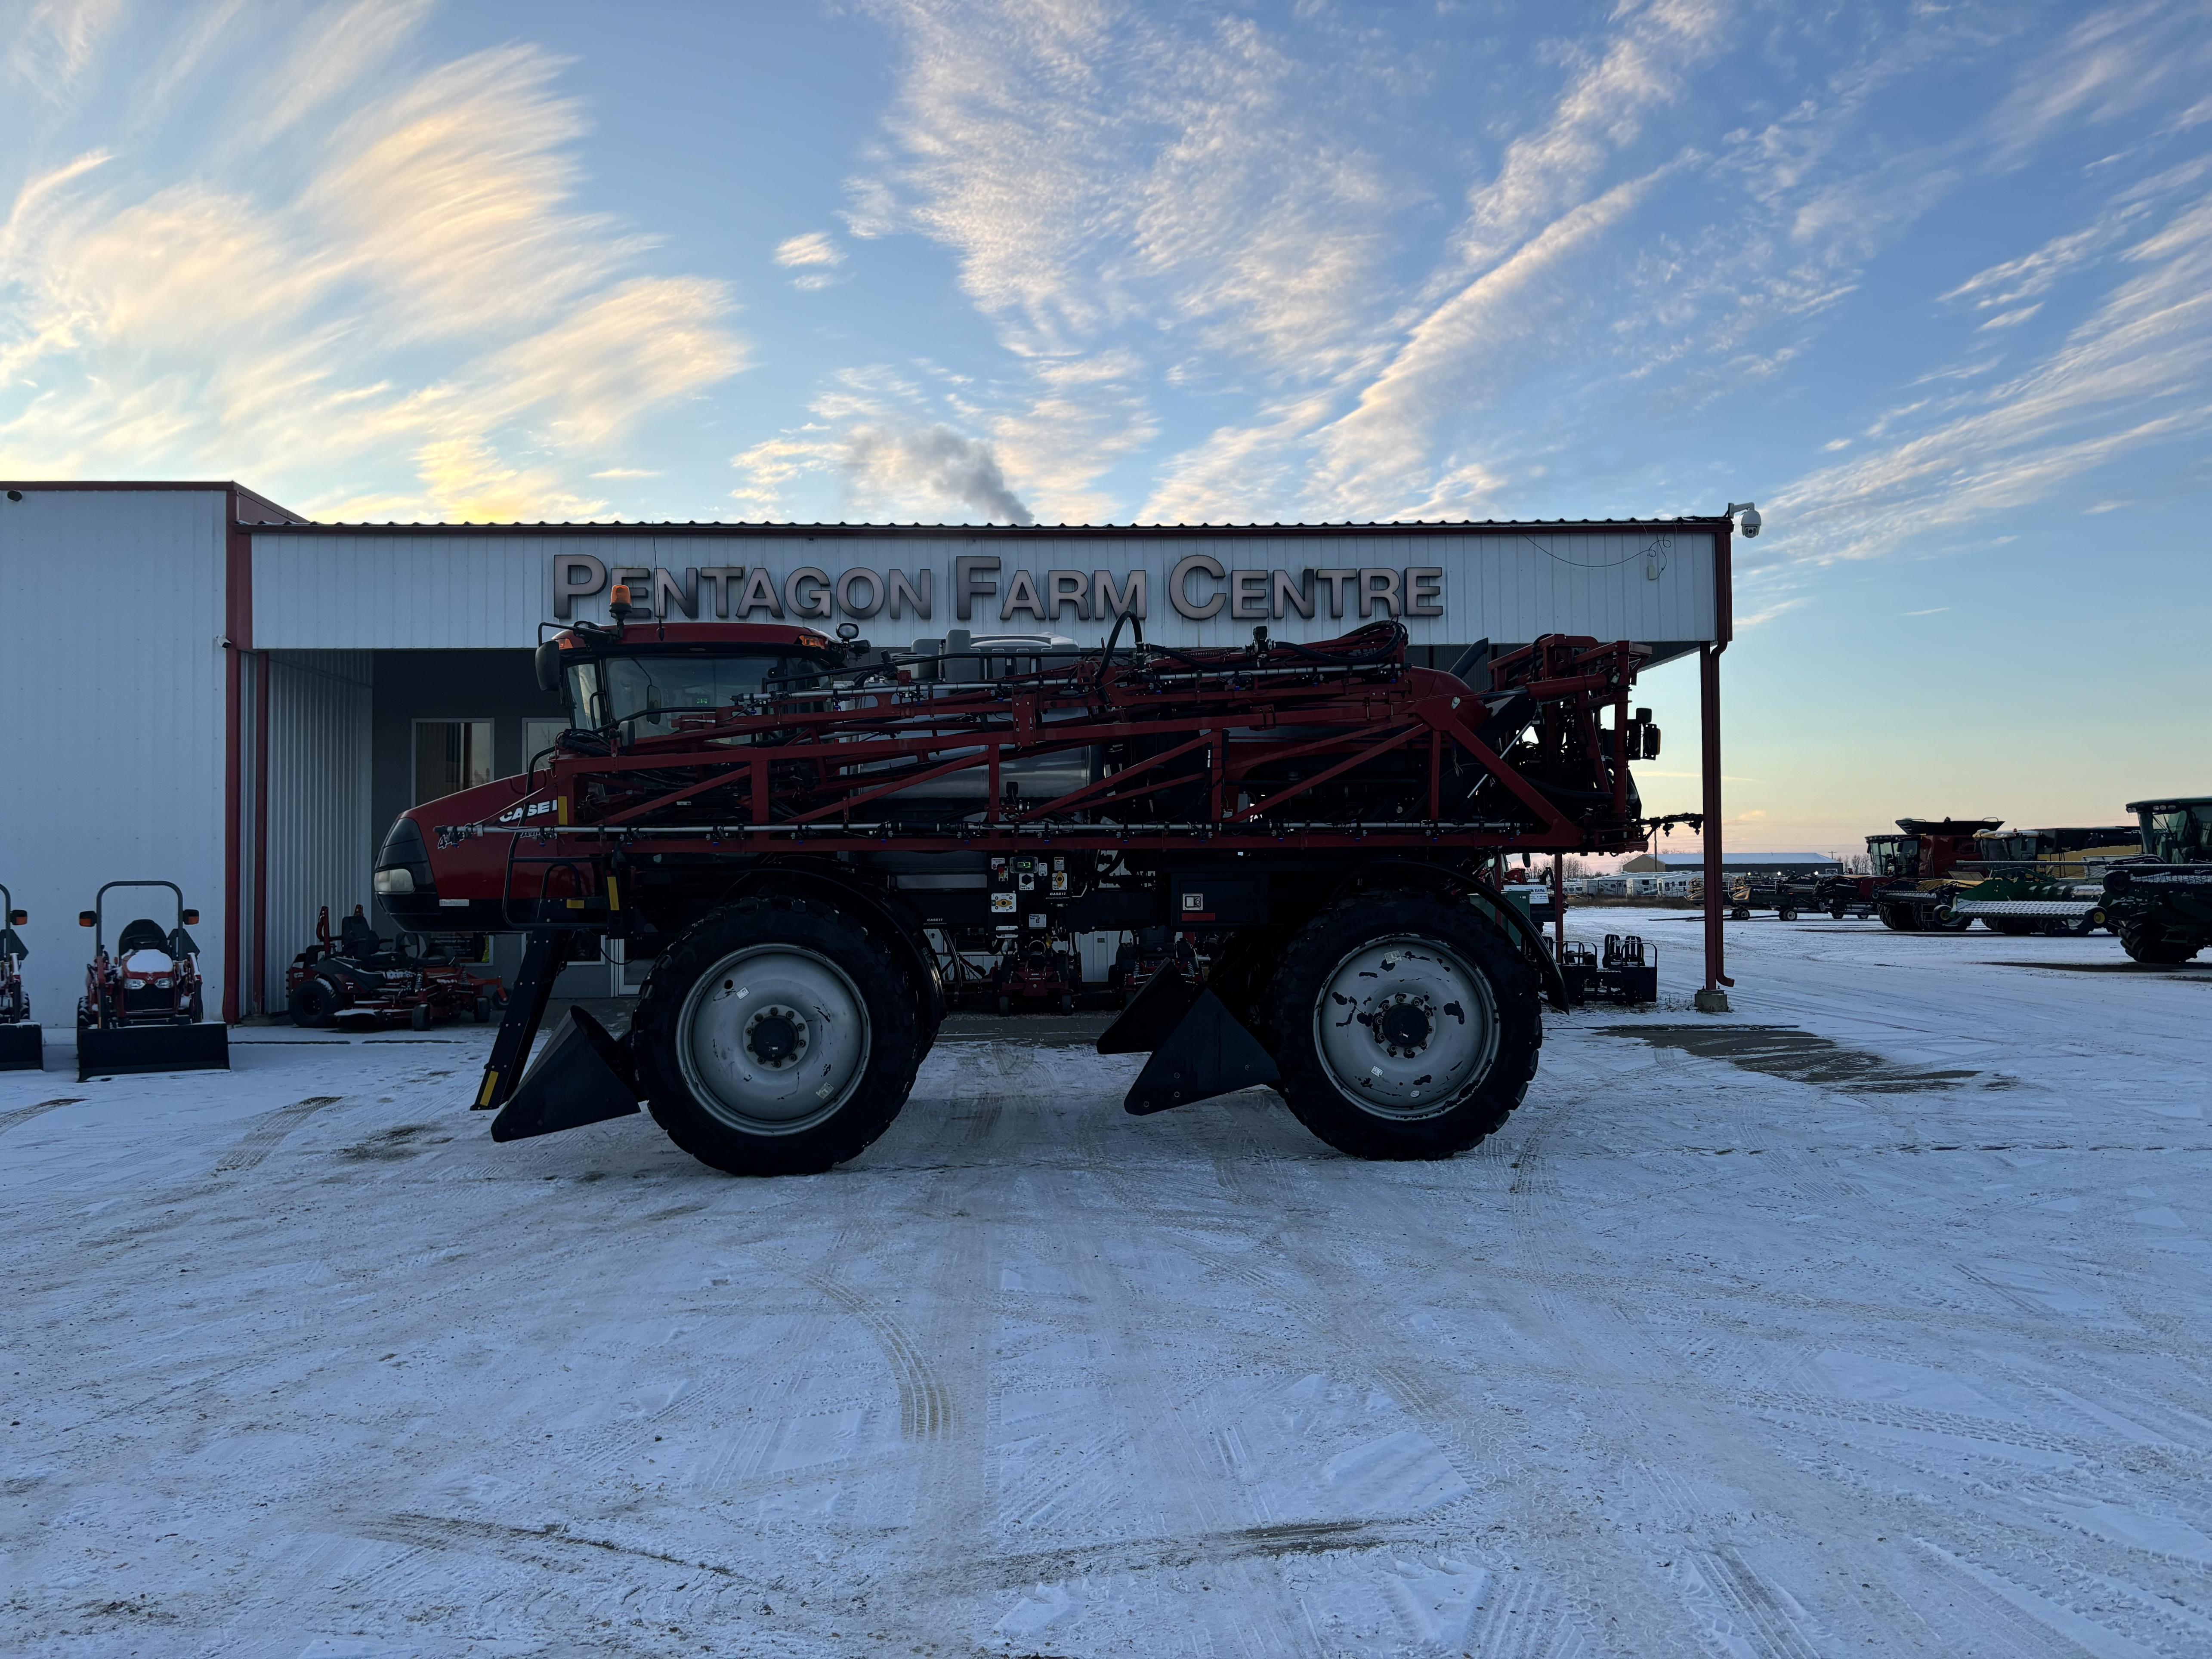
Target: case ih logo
[1199, 587]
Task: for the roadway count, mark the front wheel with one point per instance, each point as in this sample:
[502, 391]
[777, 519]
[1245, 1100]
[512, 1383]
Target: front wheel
[2149, 944]
[777, 1037]
[1404, 1027]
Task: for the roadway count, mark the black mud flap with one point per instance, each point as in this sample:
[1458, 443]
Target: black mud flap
[135, 1050]
[1152, 1013]
[1208, 1053]
[22, 1047]
[583, 1077]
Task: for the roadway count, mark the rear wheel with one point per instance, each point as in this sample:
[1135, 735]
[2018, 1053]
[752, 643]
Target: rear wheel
[1741, 913]
[1900, 918]
[777, 1037]
[2150, 944]
[1787, 913]
[1405, 1028]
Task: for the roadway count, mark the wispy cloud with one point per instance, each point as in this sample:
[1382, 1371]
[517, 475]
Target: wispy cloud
[2132, 373]
[815, 255]
[888, 452]
[56, 41]
[426, 301]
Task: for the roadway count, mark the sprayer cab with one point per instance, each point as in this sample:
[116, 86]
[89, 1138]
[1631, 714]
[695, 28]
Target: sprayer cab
[627, 681]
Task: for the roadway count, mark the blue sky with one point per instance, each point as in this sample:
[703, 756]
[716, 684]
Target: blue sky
[1932, 283]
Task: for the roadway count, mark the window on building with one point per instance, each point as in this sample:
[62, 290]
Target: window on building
[450, 756]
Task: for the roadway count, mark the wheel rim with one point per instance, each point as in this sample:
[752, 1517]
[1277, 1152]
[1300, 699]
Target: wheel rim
[1403, 1026]
[774, 1039]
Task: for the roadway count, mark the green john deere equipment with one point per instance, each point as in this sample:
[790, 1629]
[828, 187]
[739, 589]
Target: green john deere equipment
[2160, 903]
[2043, 881]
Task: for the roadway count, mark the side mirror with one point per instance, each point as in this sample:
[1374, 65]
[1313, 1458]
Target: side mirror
[549, 665]
[192, 918]
[87, 918]
[19, 918]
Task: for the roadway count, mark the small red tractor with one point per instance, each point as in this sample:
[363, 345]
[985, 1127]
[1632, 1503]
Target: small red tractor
[1037, 970]
[23, 1045]
[357, 977]
[143, 1008]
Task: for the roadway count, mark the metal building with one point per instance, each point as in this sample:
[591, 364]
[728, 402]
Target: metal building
[210, 690]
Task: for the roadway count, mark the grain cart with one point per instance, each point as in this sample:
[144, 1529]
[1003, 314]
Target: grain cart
[143, 1007]
[2160, 904]
[23, 1045]
[781, 820]
[2043, 881]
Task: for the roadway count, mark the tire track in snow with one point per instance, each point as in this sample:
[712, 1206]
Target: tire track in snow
[258, 1142]
[9, 1120]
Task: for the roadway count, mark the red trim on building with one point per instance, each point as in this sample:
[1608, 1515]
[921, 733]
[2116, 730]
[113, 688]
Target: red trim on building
[260, 832]
[238, 636]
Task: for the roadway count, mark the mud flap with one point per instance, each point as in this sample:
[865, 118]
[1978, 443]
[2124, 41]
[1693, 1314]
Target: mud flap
[583, 1077]
[22, 1047]
[1208, 1053]
[133, 1050]
[1152, 1013]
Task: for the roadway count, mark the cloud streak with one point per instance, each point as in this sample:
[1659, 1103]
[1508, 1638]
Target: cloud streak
[426, 301]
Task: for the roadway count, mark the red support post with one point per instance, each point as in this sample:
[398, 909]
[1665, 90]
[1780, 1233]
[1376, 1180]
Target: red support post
[1713, 999]
[1709, 708]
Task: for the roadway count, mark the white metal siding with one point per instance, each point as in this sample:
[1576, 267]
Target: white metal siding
[359, 591]
[320, 835]
[111, 603]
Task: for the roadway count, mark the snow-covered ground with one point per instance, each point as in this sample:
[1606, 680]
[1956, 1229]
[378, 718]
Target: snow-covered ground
[1884, 1333]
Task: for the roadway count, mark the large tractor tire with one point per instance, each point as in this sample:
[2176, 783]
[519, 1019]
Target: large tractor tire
[2146, 944]
[1403, 1027]
[1899, 918]
[776, 1036]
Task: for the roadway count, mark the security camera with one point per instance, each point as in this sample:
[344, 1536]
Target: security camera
[1749, 522]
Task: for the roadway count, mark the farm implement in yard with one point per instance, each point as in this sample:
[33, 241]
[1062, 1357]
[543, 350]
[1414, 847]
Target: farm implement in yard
[782, 823]
[355, 977]
[2160, 904]
[143, 1008]
[23, 1045]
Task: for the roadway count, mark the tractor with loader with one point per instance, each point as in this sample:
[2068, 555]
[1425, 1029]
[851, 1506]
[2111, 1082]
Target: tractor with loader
[785, 823]
[143, 1008]
[23, 1045]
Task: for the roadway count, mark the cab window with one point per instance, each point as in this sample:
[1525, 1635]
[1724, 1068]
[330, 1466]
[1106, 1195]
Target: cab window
[646, 689]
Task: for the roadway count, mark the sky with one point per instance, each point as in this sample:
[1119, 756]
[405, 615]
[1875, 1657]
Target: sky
[1931, 284]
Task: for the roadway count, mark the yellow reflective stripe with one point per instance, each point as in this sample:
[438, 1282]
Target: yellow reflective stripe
[490, 1082]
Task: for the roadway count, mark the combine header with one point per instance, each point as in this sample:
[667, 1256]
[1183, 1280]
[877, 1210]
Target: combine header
[783, 824]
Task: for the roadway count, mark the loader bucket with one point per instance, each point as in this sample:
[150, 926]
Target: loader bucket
[22, 1047]
[584, 1076]
[129, 1050]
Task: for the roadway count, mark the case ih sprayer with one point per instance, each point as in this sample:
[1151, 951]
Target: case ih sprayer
[791, 826]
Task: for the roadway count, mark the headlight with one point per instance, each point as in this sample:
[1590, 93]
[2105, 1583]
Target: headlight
[390, 882]
[162, 983]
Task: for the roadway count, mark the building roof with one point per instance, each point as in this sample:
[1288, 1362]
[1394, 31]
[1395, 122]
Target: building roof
[1013, 531]
[1644, 862]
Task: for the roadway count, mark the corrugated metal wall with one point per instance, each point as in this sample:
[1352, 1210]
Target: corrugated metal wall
[111, 675]
[359, 591]
[320, 836]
